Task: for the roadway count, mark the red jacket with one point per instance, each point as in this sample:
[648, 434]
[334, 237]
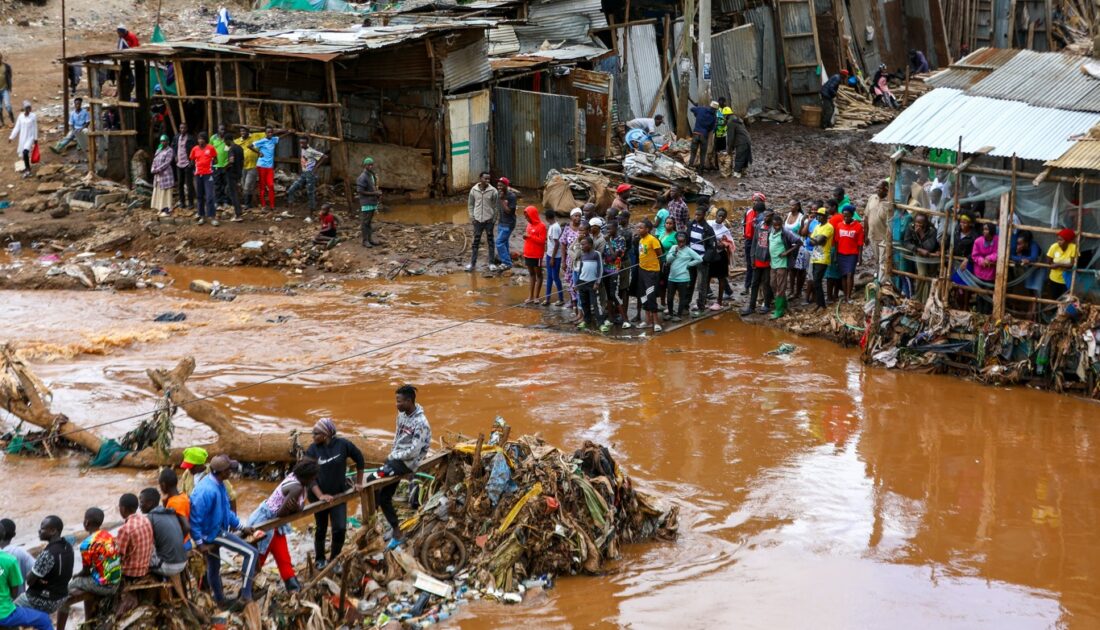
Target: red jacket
[534, 241]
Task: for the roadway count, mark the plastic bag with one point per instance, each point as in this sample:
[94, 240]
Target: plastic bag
[36, 155]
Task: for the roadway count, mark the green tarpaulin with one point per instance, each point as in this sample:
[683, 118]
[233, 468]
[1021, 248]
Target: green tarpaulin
[157, 74]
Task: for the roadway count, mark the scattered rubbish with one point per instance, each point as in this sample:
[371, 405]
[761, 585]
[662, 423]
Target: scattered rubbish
[670, 171]
[279, 320]
[784, 348]
[252, 245]
[170, 316]
[15, 248]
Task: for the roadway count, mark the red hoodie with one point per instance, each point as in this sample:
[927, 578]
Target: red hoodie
[534, 241]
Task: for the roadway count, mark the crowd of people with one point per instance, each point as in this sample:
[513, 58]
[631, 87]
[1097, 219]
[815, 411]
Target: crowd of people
[187, 521]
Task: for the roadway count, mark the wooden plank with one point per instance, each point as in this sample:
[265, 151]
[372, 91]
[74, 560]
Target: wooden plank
[1000, 283]
[108, 134]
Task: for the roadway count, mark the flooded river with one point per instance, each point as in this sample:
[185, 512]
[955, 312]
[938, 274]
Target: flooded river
[815, 492]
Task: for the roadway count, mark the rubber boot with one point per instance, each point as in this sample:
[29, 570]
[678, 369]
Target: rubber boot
[292, 585]
[780, 308]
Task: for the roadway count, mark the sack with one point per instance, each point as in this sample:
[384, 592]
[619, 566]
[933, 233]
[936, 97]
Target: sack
[36, 155]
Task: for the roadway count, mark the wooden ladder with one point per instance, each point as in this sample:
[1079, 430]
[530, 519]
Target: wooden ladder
[801, 51]
[982, 32]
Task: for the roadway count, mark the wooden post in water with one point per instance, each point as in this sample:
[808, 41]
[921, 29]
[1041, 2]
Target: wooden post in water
[1004, 247]
[888, 264]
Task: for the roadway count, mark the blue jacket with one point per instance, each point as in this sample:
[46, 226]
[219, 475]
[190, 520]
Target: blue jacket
[211, 515]
[706, 119]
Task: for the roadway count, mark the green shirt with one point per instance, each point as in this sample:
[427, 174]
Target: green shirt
[667, 241]
[223, 151]
[10, 579]
[776, 247]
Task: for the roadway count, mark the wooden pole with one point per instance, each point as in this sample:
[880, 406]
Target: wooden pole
[334, 96]
[93, 91]
[1004, 247]
[209, 104]
[949, 225]
[1080, 216]
[237, 89]
[888, 269]
[65, 72]
[218, 86]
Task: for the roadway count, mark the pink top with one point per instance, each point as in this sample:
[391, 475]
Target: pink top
[984, 256]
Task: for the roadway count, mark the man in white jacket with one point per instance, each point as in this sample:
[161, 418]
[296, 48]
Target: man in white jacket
[26, 129]
[411, 441]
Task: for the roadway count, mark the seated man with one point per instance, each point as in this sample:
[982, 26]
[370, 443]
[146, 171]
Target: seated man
[102, 569]
[212, 524]
[48, 583]
[12, 616]
[169, 530]
[78, 128]
[135, 546]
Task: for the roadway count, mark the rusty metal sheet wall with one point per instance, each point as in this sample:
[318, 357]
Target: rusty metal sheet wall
[769, 56]
[594, 92]
[733, 54]
[467, 65]
[532, 133]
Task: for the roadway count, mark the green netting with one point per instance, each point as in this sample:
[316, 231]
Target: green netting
[310, 5]
[157, 74]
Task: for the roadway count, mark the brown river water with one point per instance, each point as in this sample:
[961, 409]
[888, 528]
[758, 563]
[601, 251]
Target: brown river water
[814, 491]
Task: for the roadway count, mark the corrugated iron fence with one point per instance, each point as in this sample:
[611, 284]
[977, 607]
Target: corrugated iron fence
[532, 133]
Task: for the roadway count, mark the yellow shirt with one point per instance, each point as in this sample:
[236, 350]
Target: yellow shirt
[250, 156]
[1061, 256]
[648, 246]
[822, 254]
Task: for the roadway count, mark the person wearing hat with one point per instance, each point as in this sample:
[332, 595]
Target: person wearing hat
[194, 470]
[213, 522]
[26, 129]
[366, 185]
[164, 177]
[332, 454]
[828, 95]
[1061, 255]
[481, 204]
[620, 203]
[706, 119]
[506, 223]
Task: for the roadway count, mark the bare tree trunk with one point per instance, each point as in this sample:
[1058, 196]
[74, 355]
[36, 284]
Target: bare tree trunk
[26, 397]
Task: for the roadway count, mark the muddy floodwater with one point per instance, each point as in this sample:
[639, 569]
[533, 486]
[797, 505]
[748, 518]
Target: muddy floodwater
[814, 491]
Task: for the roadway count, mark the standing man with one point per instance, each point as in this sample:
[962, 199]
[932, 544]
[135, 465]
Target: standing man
[742, 145]
[783, 246]
[411, 441]
[78, 123]
[332, 454]
[506, 219]
[218, 141]
[234, 173]
[202, 157]
[245, 141]
[12, 616]
[48, 582]
[678, 208]
[5, 90]
[761, 262]
[212, 524]
[185, 171]
[482, 207]
[265, 164]
[721, 128]
[828, 96]
[701, 241]
[706, 118]
[309, 159]
[649, 274]
[366, 185]
[878, 229]
[101, 567]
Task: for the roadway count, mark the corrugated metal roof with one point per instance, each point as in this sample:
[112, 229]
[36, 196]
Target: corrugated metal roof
[939, 118]
[560, 21]
[503, 40]
[1045, 80]
[972, 68]
[467, 65]
[316, 44]
[1084, 155]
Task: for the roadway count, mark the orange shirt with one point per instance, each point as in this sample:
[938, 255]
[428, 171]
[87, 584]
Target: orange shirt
[181, 503]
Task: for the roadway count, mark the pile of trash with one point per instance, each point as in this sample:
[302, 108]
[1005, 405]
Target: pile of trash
[642, 165]
[48, 266]
[498, 520]
[1061, 355]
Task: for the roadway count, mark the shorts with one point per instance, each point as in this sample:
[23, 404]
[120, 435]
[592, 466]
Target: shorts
[847, 263]
[87, 584]
[802, 262]
[648, 281]
[532, 262]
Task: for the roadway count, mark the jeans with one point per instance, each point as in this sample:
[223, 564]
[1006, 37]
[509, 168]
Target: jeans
[587, 291]
[233, 192]
[220, 196]
[338, 516]
[385, 495]
[251, 178]
[309, 180]
[681, 289]
[185, 184]
[27, 617]
[819, 284]
[504, 253]
[267, 184]
[553, 277]
[75, 135]
[5, 98]
[702, 284]
[699, 143]
[249, 559]
[760, 277]
[204, 195]
[748, 263]
[366, 220]
[486, 228]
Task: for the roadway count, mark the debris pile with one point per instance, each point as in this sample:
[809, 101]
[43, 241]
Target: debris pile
[854, 110]
[1061, 355]
[51, 266]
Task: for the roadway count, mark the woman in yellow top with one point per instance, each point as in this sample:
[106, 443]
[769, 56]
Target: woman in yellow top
[649, 273]
[1062, 255]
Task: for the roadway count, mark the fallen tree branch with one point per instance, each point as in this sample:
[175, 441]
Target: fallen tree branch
[26, 397]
